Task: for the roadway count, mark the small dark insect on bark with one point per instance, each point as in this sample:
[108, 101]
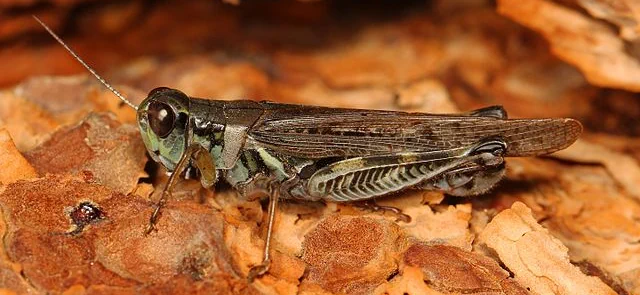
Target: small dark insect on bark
[84, 214]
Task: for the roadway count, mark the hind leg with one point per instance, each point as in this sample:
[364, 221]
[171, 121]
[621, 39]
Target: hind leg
[467, 182]
[474, 177]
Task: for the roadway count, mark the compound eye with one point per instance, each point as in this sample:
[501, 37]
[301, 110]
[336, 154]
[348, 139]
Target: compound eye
[161, 118]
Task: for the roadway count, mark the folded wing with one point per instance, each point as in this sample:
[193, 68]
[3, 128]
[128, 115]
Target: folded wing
[316, 132]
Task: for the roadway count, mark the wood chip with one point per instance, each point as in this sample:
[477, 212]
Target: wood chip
[584, 42]
[14, 166]
[99, 148]
[538, 261]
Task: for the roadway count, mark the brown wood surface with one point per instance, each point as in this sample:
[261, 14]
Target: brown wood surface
[564, 224]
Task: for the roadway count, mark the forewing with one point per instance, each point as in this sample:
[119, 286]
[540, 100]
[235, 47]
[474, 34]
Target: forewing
[314, 132]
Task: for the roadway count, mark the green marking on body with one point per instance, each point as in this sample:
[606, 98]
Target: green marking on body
[273, 164]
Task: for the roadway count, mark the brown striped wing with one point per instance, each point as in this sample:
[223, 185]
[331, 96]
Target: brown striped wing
[314, 132]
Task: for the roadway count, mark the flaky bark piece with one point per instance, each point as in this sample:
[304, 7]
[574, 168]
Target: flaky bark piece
[445, 224]
[37, 107]
[584, 42]
[622, 167]
[583, 206]
[244, 234]
[450, 269]
[623, 13]
[14, 165]
[351, 255]
[28, 123]
[410, 281]
[538, 261]
[101, 148]
[57, 247]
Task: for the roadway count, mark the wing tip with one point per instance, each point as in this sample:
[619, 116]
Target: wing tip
[574, 128]
[569, 131]
[555, 135]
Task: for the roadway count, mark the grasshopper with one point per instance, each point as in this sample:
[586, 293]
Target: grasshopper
[287, 151]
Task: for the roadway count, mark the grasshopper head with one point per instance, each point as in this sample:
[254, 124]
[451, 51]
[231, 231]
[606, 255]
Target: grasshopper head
[162, 116]
[162, 119]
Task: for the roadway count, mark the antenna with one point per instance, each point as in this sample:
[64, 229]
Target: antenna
[84, 64]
